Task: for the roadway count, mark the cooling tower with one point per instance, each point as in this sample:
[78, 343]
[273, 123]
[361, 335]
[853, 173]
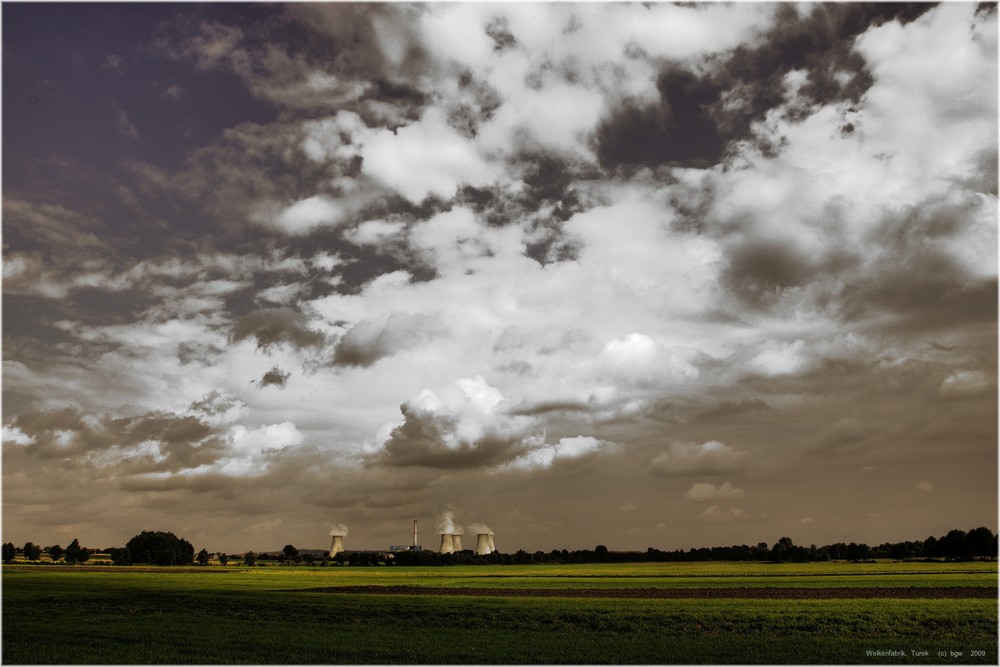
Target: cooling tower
[456, 542]
[483, 544]
[337, 546]
[493, 547]
[447, 543]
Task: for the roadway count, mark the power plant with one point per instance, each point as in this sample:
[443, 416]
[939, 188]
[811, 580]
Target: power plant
[451, 538]
[451, 542]
[337, 545]
[484, 544]
[412, 547]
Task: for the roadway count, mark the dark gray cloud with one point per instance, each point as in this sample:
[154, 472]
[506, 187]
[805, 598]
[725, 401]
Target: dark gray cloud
[273, 326]
[419, 442]
[276, 377]
[818, 42]
[181, 441]
[759, 272]
[368, 341]
[731, 409]
[698, 115]
[677, 131]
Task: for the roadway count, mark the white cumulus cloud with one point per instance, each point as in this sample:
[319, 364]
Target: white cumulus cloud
[425, 158]
[565, 449]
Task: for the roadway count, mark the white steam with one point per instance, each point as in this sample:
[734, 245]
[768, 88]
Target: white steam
[446, 523]
[339, 529]
[480, 529]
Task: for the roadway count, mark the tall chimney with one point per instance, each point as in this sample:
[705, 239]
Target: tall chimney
[483, 544]
[493, 547]
[337, 545]
[456, 542]
[415, 533]
[447, 543]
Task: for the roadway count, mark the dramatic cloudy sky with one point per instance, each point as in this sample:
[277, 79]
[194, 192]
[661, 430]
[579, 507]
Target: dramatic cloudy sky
[640, 275]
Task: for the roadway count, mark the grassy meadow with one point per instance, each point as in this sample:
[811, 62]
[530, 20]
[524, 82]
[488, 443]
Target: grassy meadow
[266, 615]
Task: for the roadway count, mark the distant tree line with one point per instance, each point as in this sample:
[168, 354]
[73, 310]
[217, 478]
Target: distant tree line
[74, 553]
[979, 543]
[162, 548]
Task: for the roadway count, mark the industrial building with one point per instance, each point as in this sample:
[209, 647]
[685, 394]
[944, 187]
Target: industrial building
[410, 547]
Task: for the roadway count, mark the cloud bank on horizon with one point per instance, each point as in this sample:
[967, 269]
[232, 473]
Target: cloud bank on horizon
[576, 270]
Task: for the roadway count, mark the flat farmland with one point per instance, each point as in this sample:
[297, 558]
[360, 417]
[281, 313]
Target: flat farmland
[650, 613]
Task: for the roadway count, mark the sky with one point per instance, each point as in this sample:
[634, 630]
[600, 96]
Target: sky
[658, 275]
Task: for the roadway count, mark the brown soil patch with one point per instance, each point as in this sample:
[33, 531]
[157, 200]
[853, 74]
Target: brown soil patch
[675, 593]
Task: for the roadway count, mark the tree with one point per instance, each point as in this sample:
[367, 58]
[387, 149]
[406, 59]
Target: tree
[121, 556]
[601, 553]
[223, 558]
[159, 548]
[982, 542]
[291, 553]
[9, 552]
[249, 558]
[31, 551]
[75, 553]
[931, 547]
[955, 545]
[55, 552]
[202, 557]
[782, 550]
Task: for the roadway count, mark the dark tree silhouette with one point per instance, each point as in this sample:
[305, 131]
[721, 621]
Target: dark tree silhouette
[121, 556]
[982, 543]
[75, 553]
[159, 548]
[9, 552]
[955, 545]
[31, 551]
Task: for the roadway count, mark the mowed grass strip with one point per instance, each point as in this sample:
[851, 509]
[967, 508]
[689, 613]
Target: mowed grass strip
[628, 575]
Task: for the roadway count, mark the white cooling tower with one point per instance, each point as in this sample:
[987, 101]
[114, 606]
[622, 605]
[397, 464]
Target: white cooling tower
[447, 543]
[337, 545]
[493, 547]
[456, 542]
[483, 544]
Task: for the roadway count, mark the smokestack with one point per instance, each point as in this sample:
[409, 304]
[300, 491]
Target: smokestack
[447, 543]
[415, 533]
[483, 544]
[493, 547]
[456, 542]
[337, 545]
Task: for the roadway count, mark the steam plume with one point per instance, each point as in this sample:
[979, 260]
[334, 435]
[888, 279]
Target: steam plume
[480, 529]
[339, 529]
[446, 523]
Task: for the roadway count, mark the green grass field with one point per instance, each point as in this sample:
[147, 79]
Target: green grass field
[240, 615]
